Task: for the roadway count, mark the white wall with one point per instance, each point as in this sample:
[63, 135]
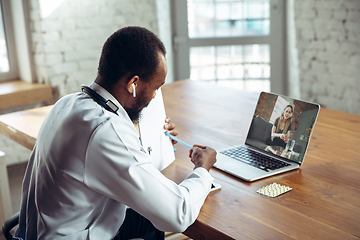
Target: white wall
[328, 47]
[67, 39]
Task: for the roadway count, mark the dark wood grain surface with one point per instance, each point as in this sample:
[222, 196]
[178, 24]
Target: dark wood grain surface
[324, 202]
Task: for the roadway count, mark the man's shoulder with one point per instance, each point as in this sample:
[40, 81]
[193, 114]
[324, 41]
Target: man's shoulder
[77, 107]
[66, 100]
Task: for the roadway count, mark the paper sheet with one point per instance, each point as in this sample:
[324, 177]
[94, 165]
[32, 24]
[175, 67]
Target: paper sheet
[152, 134]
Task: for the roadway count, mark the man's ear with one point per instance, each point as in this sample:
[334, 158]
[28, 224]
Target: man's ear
[132, 84]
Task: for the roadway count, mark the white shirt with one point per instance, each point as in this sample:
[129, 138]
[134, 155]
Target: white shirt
[87, 166]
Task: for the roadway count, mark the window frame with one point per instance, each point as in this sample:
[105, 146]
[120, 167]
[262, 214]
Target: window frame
[276, 41]
[10, 42]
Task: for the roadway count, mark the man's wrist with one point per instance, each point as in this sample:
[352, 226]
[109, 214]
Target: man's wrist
[203, 172]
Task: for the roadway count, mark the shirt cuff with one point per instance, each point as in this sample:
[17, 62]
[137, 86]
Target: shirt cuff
[203, 173]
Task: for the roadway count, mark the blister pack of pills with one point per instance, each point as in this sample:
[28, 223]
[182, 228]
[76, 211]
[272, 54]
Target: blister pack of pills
[273, 190]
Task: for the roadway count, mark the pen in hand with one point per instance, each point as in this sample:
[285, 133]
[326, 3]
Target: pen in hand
[178, 140]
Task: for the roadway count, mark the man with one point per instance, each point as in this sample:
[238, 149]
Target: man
[88, 164]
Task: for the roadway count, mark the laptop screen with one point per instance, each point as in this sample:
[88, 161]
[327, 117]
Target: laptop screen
[282, 126]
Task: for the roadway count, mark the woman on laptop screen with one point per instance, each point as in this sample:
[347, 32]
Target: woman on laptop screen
[280, 132]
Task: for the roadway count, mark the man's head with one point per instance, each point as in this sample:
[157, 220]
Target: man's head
[132, 59]
[145, 92]
[128, 52]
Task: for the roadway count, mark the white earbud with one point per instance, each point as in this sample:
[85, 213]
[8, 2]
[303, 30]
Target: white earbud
[133, 87]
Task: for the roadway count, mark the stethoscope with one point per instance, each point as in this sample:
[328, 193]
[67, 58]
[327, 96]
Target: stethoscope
[108, 105]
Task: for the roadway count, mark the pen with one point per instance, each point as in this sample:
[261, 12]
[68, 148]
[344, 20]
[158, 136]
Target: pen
[178, 140]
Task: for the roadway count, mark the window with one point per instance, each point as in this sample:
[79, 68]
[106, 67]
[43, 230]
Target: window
[228, 18]
[229, 42]
[4, 57]
[8, 66]
[240, 66]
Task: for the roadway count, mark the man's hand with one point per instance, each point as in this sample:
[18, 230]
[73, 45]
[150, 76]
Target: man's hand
[170, 127]
[202, 156]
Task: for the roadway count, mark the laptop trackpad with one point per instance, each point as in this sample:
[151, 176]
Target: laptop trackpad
[237, 168]
[229, 164]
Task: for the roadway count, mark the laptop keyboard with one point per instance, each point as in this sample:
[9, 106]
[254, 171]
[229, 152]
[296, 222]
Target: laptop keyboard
[255, 159]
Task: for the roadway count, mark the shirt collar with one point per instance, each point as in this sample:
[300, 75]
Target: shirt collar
[104, 93]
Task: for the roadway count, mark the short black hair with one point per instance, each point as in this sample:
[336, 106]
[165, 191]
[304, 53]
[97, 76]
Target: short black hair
[128, 52]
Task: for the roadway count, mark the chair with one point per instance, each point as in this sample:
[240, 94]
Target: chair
[14, 220]
[260, 131]
[9, 225]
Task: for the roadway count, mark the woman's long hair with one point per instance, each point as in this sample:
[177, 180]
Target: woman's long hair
[288, 121]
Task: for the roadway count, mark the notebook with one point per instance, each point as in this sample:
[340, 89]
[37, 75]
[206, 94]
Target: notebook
[153, 139]
[277, 139]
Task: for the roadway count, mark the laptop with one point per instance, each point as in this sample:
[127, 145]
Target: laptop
[277, 139]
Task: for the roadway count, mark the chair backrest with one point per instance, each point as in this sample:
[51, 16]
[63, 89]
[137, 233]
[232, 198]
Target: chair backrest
[297, 148]
[260, 129]
[9, 225]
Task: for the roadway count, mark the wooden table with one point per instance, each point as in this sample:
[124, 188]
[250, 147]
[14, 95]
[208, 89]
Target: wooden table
[324, 202]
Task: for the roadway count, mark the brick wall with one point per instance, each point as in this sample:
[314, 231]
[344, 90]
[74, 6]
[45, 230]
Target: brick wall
[265, 106]
[68, 39]
[328, 44]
